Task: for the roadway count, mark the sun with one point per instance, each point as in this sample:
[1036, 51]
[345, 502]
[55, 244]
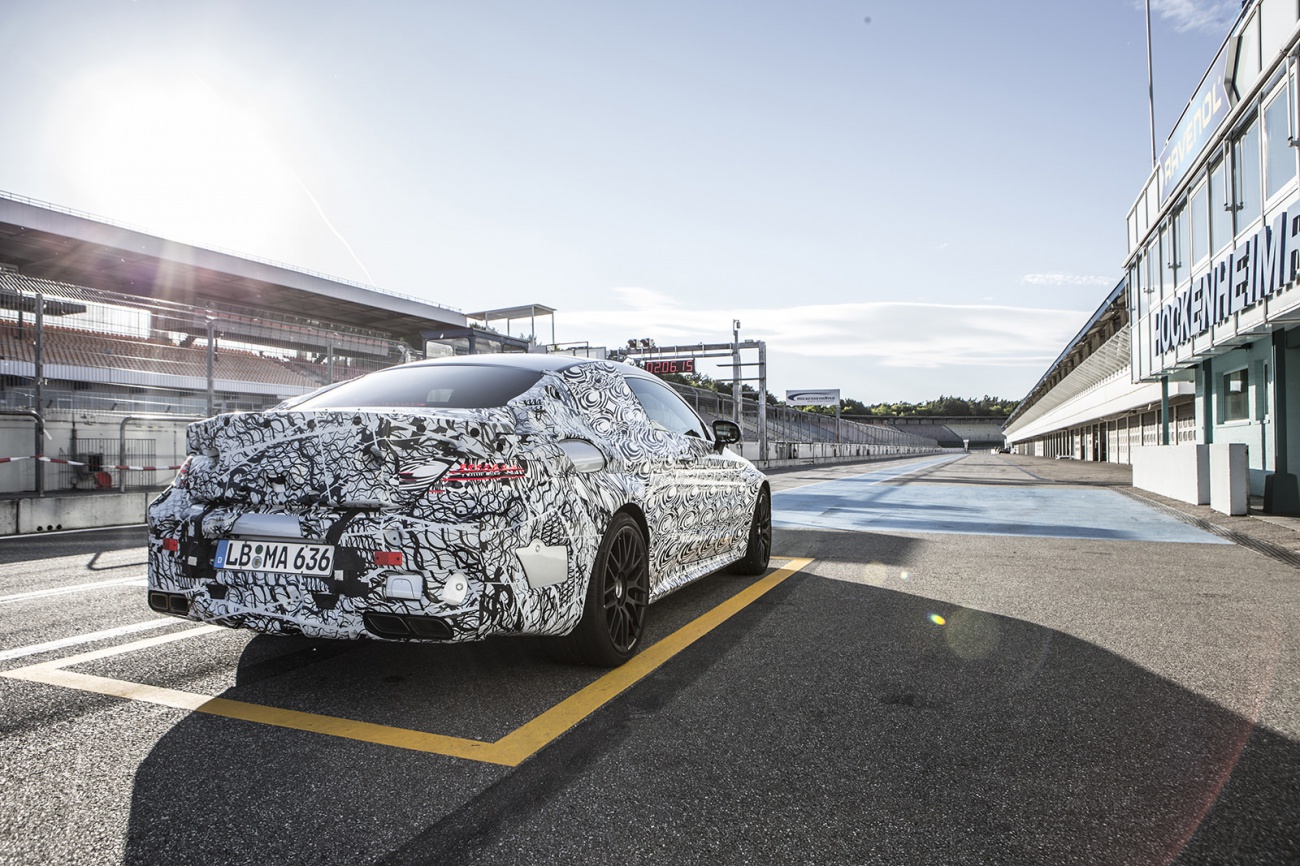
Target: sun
[172, 154]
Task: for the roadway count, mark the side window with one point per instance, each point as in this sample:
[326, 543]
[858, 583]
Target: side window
[665, 408]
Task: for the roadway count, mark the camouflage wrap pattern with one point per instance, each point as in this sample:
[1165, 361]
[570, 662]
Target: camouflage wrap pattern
[457, 492]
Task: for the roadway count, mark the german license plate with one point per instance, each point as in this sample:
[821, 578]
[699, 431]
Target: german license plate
[281, 557]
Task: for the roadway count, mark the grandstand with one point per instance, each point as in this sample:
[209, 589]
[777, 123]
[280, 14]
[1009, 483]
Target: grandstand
[105, 330]
[152, 355]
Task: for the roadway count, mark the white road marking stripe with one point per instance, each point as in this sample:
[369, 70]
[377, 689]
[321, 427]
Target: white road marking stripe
[79, 587]
[87, 638]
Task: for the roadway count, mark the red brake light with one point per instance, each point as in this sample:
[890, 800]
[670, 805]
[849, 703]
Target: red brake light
[484, 472]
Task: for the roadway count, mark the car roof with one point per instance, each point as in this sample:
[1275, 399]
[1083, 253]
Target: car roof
[520, 360]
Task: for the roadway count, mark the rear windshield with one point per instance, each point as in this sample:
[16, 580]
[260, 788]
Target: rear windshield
[445, 386]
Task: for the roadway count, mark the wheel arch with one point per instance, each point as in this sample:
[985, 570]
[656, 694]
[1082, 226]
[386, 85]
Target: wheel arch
[634, 511]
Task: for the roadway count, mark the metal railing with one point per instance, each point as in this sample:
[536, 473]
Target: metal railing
[789, 425]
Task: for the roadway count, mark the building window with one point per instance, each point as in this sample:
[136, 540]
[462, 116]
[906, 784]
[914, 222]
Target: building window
[1135, 286]
[1182, 249]
[1245, 169]
[1279, 159]
[1198, 224]
[1220, 212]
[1152, 260]
[1236, 396]
[1168, 265]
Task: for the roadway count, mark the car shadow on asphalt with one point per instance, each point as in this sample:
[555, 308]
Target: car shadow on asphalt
[832, 721]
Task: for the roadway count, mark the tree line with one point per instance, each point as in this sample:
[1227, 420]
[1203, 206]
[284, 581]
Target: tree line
[953, 407]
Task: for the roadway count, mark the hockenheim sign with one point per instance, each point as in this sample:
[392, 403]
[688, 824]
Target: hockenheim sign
[1263, 266]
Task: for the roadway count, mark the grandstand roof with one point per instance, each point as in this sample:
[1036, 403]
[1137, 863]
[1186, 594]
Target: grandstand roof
[43, 240]
[1111, 318]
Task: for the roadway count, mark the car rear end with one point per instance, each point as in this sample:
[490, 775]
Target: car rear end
[418, 523]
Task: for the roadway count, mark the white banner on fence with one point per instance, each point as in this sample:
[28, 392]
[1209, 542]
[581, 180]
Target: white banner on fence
[813, 397]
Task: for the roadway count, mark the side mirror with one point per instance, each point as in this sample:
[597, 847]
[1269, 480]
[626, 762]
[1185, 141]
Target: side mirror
[725, 432]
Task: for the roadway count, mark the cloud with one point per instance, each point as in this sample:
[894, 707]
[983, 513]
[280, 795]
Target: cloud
[1066, 280]
[646, 299]
[1212, 16]
[873, 352]
[897, 335]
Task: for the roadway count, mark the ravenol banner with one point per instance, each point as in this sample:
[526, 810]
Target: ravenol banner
[1199, 122]
[818, 397]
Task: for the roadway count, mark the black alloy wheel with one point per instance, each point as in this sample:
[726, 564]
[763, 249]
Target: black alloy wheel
[759, 549]
[618, 594]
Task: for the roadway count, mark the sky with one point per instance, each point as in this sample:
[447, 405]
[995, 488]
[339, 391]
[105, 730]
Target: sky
[903, 198]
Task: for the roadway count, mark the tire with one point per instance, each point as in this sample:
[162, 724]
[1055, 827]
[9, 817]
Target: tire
[759, 549]
[613, 614]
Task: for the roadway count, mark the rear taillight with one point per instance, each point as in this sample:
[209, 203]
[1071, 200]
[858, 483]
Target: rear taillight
[484, 472]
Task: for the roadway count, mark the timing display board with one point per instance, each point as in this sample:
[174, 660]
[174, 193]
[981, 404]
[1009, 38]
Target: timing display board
[673, 365]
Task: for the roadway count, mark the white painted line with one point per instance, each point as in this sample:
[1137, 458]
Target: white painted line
[110, 652]
[888, 473]
[32, 650]
[77, 587]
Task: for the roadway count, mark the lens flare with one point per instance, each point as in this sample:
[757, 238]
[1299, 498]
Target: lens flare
[937, 619]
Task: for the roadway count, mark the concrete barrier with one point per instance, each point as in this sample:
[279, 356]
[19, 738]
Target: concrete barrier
[52, 513]
[1180, 472]
[1229, 478]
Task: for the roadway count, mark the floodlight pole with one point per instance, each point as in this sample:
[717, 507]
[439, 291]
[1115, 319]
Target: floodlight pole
[762, 400]
[212, 366]
[736, 394]
[38, 389]
[1151, 89]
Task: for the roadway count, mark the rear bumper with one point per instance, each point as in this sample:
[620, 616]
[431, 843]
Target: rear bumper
[458, 582]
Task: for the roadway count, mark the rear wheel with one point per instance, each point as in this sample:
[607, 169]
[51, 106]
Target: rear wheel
[759, 550]
[613, 614]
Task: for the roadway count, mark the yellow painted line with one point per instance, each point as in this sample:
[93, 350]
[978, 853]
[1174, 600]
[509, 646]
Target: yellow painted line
[510, 750]
[527, 739]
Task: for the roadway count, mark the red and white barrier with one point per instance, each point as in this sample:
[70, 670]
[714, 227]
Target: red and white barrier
[60, 460]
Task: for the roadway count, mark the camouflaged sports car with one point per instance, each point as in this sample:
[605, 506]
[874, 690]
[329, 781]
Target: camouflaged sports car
[454, 499]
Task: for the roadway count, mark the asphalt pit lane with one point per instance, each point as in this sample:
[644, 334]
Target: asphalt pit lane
[903, 699]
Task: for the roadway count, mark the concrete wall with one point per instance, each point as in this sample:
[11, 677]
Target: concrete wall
[803, 453]
[1180, 472]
